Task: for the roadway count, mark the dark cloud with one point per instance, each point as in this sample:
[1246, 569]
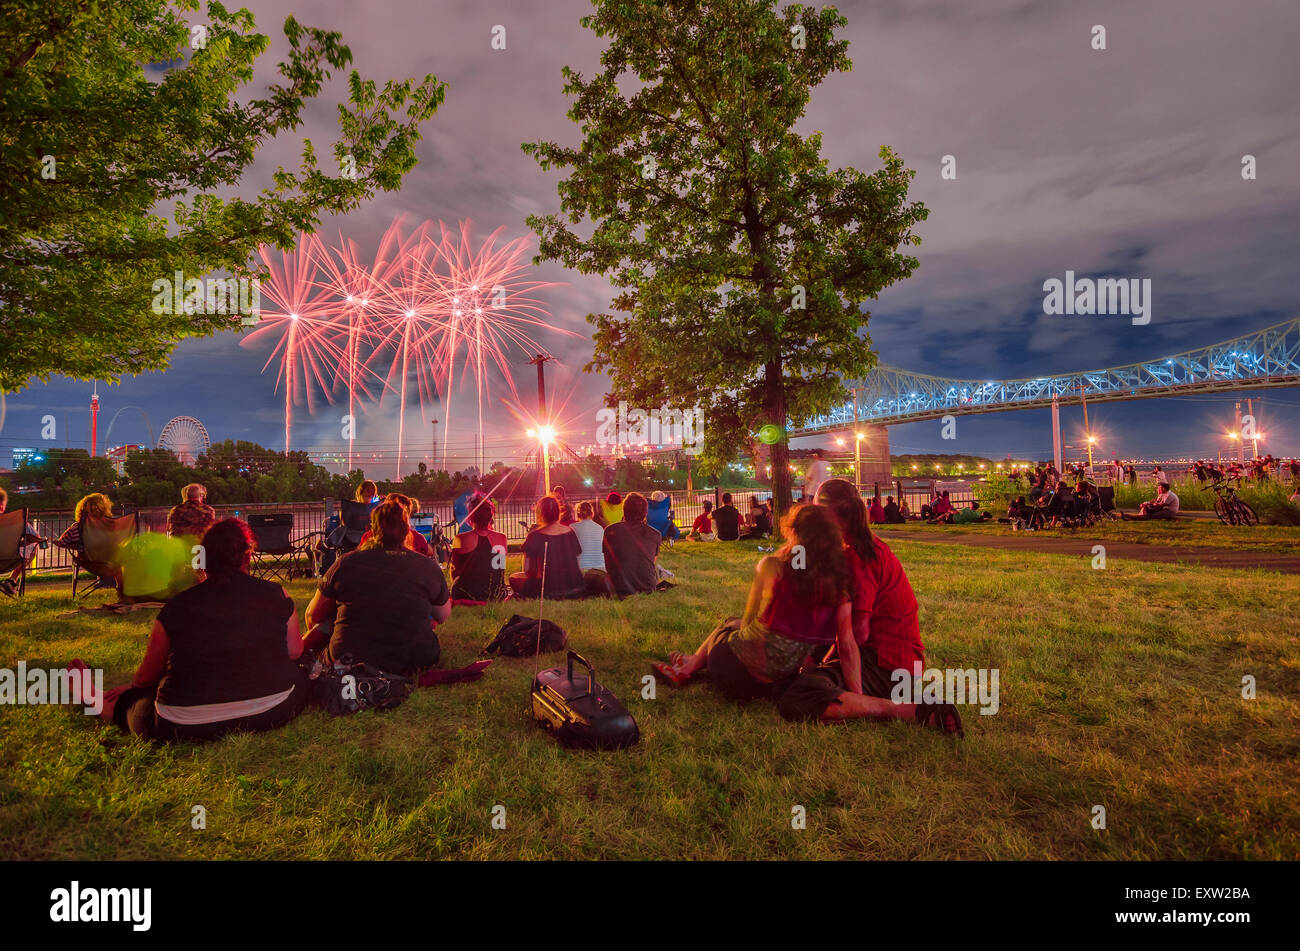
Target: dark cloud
[1123, 162]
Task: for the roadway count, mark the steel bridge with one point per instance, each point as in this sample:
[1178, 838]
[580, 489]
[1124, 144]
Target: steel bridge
[1268, 358]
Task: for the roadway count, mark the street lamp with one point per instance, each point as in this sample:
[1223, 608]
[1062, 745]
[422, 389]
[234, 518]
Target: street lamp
[1091, 442]
[857, 462]
[546, 435]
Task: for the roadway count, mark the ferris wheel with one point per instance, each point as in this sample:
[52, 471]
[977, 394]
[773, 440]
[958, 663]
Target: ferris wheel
[186, 437]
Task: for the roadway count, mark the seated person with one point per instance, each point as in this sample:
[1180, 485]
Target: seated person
[972, 514]
[414, 541]
[30, 542]
[194, 515]
[893, 513]
[758, 523]
[702, 528]
[631, 550]
[940, 509]
[220, 656]
[566, 510]
[368, 492]
[379, 605]
[611, 510]
[94, 505]
[791, 614]
[661, 516]
[1018, 512]
[478, 558]
[1163, 506]
[886, 627]
[876, 511]
[591, 562]
[554, 548]
[726, 520]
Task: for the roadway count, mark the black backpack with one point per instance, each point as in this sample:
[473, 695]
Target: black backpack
[518, 637]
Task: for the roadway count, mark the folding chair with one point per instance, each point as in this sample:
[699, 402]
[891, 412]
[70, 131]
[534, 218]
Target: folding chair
[13, 535]
[1106, 502]
[101, 541]
[277, 553]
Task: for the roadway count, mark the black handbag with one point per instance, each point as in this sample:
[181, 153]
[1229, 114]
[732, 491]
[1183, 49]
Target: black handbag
[345, 687]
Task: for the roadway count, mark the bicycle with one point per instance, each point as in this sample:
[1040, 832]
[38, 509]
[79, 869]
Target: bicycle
[1230, 508]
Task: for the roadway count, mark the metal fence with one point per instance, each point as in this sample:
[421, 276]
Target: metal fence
[513, 516]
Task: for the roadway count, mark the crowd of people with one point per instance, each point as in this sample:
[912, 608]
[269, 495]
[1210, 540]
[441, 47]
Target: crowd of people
[820, 635]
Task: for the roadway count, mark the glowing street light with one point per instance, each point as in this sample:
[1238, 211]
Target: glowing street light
[545, 435]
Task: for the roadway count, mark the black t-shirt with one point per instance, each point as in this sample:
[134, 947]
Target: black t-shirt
[228, 642]
[630, 551]
[727, 519]
[563, 577]
[385, 600]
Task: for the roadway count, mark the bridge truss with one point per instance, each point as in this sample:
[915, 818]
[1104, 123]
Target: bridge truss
[1268, 358]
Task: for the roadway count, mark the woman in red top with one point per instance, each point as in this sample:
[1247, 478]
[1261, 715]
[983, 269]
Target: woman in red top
[886, 628]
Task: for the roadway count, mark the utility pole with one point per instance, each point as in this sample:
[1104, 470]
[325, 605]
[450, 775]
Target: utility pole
[1241, 440]
[434, 458]
[1254, 428]
[1087, 432]
[94, 422]
[1056, 433]
[543, 421]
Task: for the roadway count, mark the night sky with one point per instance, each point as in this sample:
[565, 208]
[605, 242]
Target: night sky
[1124, 162]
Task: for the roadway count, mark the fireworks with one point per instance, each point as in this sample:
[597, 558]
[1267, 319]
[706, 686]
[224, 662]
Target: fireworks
[429, 311]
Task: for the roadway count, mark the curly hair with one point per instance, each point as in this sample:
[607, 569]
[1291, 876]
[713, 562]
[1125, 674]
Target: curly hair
[813, 559]
[547, 510]
[95, 505]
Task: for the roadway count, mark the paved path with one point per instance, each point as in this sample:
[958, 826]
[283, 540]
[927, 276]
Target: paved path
[1082, 546]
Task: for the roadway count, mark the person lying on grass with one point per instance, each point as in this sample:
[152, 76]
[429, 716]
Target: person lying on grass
[221, 654]
[798, 605]
[379, 605]
[886, 628]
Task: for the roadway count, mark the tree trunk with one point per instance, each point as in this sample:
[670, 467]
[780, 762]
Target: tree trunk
[782, 490]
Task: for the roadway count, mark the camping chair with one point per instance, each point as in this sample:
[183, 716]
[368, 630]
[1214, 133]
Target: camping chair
[1106, 502]
[353, 523]
[13, 542]
[277, 553]
[101, 541]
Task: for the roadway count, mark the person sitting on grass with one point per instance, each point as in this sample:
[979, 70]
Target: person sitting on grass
[478, 554]
[893, 513]
[799, 605]
[939, 510]
[876, 511]
[566, 510]
[886, 628]
[554, 549]
[702, 528]
[380, 604]
[414, 540]
[221, 654]
[631, 549]
[611, 510]
[758, 523]
[591, 561]
[1164, 506]
[970, 515]
[726, 520]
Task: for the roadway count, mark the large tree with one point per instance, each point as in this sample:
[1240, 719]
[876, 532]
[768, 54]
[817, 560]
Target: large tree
[114, 113]
[741, 259]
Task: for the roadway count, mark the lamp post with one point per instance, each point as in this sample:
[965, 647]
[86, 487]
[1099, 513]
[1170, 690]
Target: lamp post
[1091, 441]
[857, 461]
[545, 434]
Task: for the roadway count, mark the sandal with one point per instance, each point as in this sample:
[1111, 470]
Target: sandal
[670, 674]
[941, 716]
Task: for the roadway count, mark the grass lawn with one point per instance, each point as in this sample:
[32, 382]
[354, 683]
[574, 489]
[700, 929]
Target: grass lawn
[1119, 688]
[1188, 531]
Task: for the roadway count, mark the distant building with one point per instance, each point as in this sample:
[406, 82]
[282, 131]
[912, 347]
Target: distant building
[118, 454]
[24, 457]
